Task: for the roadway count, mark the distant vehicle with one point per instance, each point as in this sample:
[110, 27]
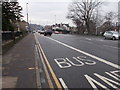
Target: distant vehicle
[42, 32]
[111, 35]
[56, 32]
[38, 31]
[48, 32]
[33, 31]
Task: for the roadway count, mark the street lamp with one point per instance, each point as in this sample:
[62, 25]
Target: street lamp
[27, 16]
[27, 11]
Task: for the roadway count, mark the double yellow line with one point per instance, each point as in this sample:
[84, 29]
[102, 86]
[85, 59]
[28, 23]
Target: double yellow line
[45, 60]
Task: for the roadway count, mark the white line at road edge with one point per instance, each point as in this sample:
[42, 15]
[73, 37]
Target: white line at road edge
[111, 46]
[63, 84]
[88, 38]
[90, 55]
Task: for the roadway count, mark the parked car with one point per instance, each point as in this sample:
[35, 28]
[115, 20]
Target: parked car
[56, 32]
[111, 35]
[48, 32]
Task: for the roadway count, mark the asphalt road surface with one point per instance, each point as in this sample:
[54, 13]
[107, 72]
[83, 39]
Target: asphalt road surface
[81, 61]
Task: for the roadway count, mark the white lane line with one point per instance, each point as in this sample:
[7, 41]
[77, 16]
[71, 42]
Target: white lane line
[63, 84]
[87, 42]
[88, 38]
[100, 40]
[111, 46]
[85, 53]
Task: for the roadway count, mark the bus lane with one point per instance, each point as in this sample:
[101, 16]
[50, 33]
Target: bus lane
[78, 70]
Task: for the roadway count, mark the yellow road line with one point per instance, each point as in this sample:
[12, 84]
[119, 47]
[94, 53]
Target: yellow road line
[46, 72]
[44, 67]
[50, 68]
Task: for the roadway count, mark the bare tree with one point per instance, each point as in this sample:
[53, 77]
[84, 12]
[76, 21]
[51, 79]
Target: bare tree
[80, 26]
[110, 16]
[109, 20]
[82, 11]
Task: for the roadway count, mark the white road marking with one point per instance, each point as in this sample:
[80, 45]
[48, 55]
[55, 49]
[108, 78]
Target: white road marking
[86, 61]
[88, 38]
[111, 46]
[86, 41]
[116, 73]
[63, 84]
[107, 80]
[81, 63]
[99, 40]
[90, 55]
[61, 61]
[66, 62]
[92, 81]
[112, 76]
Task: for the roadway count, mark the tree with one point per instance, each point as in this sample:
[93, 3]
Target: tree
[82, 11]
[109, 23]
[110, 16]
[11, 13]
[80, 26]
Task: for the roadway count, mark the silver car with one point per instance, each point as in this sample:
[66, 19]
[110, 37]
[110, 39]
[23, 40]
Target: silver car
[111, 35]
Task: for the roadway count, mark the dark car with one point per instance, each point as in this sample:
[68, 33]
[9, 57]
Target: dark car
[48, 32]
[42, 32]
[38, 31]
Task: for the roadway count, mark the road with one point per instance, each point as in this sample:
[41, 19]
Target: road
[74, 61]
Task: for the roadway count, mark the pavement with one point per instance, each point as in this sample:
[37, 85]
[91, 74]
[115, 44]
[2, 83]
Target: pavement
[18, 65]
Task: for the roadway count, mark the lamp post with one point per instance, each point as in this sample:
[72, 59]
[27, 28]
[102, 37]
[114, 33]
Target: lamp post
[27, 16]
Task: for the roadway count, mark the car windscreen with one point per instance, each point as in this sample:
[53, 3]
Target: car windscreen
[115, 32]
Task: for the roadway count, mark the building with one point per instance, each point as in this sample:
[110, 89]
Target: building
[61, 26]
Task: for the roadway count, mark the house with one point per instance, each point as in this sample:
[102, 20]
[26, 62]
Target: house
[62, 28]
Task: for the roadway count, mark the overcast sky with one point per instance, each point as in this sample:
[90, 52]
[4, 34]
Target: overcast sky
[47, 12]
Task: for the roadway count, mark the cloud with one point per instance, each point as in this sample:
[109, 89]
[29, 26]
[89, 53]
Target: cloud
[44, 11]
